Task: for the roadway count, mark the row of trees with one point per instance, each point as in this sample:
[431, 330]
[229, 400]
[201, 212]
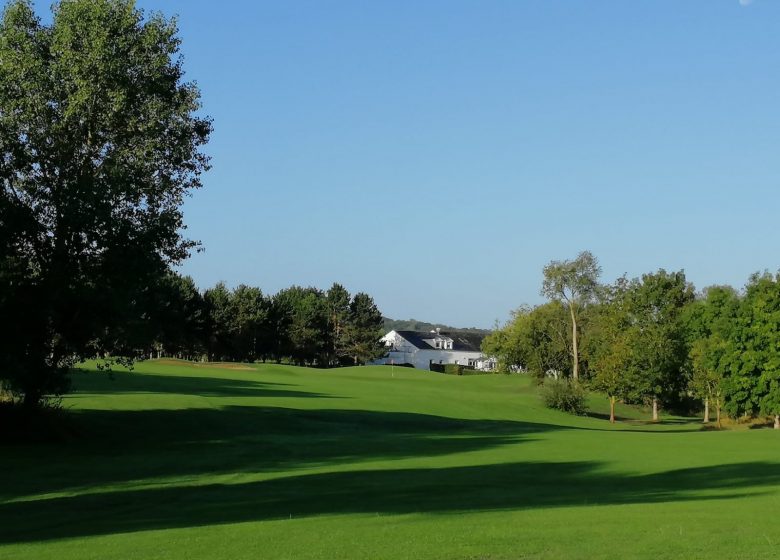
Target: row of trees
[652, 339]
[306, 326]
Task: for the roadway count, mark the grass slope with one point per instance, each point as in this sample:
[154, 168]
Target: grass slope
[225, 461]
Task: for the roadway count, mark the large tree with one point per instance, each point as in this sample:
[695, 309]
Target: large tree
[363, 330]
[573, 282]
[100, 140]
[655, 303]
[753, 383]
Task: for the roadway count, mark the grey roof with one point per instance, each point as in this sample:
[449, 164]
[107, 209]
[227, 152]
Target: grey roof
[461, 341]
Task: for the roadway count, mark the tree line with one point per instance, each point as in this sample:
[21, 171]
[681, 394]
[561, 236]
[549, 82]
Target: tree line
[305, 326]
[652, 340]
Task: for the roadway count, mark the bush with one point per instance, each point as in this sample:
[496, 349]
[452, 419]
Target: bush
[455, 369]
[565, 395]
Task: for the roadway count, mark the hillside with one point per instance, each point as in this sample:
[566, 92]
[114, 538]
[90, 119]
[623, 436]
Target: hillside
[234, 461]
[415, 325]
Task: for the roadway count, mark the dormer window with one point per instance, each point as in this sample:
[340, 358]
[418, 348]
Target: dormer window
[437, 342]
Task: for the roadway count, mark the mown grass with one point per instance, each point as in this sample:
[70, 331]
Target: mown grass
[176, 460]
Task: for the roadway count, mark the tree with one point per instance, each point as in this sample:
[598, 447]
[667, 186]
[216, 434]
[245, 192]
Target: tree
[178, 317]
[219, 309]
[573, 282]
[659, 353]
[708, 356]
[753, 383]
[100, 142]
[248, 323]
[609, 348]
[708, 325]
[303, 319]
[534, 340]
[338, 300]
[364, 329]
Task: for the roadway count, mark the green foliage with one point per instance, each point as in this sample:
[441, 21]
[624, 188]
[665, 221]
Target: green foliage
[101, 141]
[574, 283]
[709, 327]
[363, 330]
[535, 340]
[753, 383]
[567, 395]
[654, 305]
[609, 348]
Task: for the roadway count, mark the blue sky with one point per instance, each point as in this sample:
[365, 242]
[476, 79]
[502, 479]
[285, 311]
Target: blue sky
[437, 154]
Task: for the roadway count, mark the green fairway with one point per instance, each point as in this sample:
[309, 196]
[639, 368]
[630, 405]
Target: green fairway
[176, 460]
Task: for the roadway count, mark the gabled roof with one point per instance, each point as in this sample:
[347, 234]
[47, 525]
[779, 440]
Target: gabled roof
[463, 342]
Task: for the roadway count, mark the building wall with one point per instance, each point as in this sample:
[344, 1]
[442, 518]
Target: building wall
[406, 353]
[421, 359]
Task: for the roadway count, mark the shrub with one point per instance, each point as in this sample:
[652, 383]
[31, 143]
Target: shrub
[565, 395]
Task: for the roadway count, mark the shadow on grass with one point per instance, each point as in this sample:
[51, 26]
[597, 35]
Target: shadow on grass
[115, 446]
[458, 489]
[102, 383]
[686, 424]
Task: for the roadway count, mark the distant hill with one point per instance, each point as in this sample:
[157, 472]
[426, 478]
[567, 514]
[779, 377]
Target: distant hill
[415, 325]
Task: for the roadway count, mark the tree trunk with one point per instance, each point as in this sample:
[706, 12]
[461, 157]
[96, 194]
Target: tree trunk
[777, 421]
[655, 409]
[707, 411]
[612, 410]
[717, 413]
[574, 349]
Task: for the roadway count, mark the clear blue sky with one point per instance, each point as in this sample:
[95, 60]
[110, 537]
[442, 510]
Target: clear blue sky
[437, 154]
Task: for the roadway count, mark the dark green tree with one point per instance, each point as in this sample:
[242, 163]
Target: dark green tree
[338, 300]
[248, 323]
[219, 330]
[303, 315]
[363, 330]
[178, 316]
[100, 140]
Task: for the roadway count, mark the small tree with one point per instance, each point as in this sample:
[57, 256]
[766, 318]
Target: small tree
[610, 371]
[609, 346]
[707, 359]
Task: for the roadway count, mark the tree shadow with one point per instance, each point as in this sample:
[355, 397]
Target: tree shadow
[401, 491]
[692, 424]
[115, 446]
[102, 383]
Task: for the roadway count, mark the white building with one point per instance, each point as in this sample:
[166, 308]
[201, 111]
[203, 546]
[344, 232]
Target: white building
[421, 349]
